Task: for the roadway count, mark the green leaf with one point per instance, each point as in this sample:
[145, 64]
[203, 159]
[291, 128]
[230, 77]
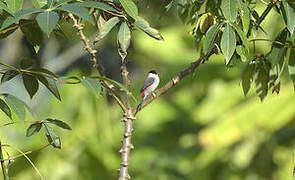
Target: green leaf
[145, 27]
[276, 55]
[242, 52]
[289, 16]
[130, 8]
[14, 5]
[47, 21]
[50, 85]
[59, 123]
[5, 8]
[228, 42]
[245, 16]
[42, 71]
[210, 37]
[17, 105]
[31, 84]
[247, 76]
[92, 84]
[33, 129]
[78, 11]
[9, 30]
[124, 37]
[39, 3]
[52, 137]
[4, 107]
[26, 63]
[17, 16]
[96, 5]
[230, 9]
[106, 28]
[261, 81]
[242, 35]
[291, 66]
[50, 3]
[8, 75]
[31, 31]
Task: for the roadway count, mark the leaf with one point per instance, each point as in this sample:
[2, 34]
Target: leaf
[31, 31]
[242, 52]
[59, 123]
[210, 37]
[9, 30]
[289, 16]
[4, 7]
[17, 105]
[42, 71]
[26, 63]
[50, 3]
[230, 9]
[245, 17]
[39, 3]
[124, 37]
[50, 85]
[228, 43]
[33, 129]
[78, 11]
[261, 81]
[47, 21]
[242, 35]
[31, 84]
[4, 107]
[8, 75]
[277, 52]
[17, 16]
[52, 137]
[96, 5]
[92, 84]
[130, 8]
[145, 27]
[291, 66]
[14, 5]
[106, 28]
[247, 76]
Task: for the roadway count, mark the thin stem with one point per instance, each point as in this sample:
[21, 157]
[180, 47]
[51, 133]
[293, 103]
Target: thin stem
[29, 160]
[4, 171]
[93, 58]
[265, 12]
[14, 122]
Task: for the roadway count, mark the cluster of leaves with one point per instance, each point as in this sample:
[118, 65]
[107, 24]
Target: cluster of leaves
[47, 14]
[230, 24]
[51, 135]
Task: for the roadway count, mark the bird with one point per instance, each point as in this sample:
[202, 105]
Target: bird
[150, 84]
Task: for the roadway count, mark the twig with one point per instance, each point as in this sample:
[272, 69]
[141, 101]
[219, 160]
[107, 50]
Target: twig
[33, 165]
[14, 122]
[4, 171]
[92, 54]
[265, 12]
[175, 80]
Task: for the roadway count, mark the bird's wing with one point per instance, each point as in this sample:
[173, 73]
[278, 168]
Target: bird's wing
[149, 81]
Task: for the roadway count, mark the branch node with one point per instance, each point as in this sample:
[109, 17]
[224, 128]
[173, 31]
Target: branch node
[131, 146]
[127, 134]
[154, 94]
[174, 81]
[124, 163]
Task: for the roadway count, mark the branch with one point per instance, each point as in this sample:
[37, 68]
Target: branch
[265, 12]
[92, 54]
[189, 70]
[128, 128]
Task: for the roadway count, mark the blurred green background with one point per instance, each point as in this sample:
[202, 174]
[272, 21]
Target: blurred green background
[203, 129]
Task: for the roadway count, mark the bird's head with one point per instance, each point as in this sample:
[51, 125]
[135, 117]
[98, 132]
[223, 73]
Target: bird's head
[153, 72]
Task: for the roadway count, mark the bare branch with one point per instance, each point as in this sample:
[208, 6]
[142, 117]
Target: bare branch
[92, 54]
[176, 79]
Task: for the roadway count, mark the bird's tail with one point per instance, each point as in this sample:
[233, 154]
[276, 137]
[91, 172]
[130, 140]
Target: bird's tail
[139, 105]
